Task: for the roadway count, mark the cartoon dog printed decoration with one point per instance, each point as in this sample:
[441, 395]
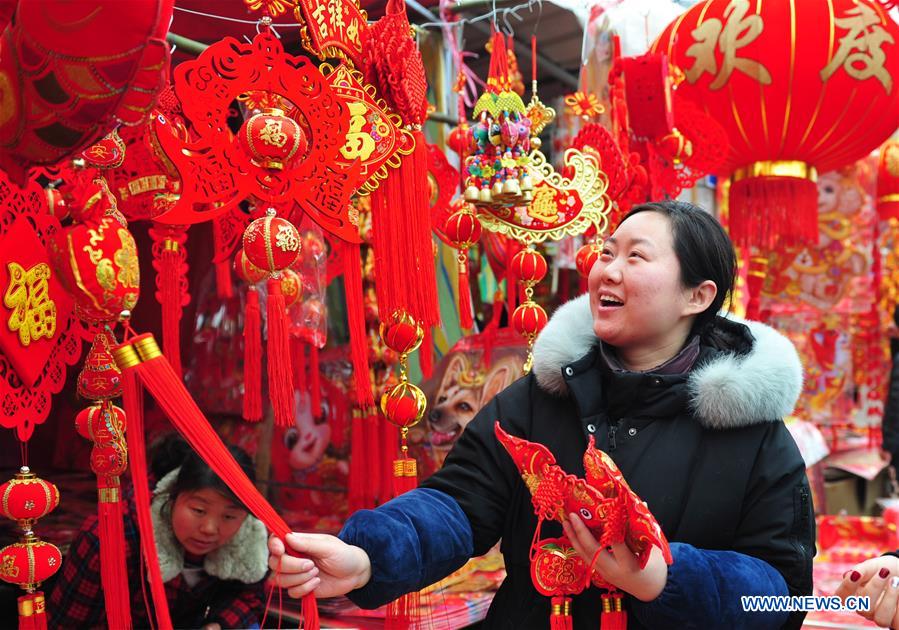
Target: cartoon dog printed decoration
[475, 370]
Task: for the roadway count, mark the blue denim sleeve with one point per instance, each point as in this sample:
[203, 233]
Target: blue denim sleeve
[704, 590]
[414, 540]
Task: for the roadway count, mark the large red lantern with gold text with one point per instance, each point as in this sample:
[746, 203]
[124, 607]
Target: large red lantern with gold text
[799, 87]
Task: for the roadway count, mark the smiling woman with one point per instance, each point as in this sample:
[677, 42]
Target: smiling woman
[687, 403]
[212, 553]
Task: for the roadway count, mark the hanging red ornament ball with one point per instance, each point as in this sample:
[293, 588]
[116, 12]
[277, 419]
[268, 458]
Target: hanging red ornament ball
[401, 333]
[100, 378]
[271, 139]
[26, 497]
[403, 404]
[586, 257]
[110, 460]
[463, 228]
[460, 139]
[97, 264]
[291, 287]
[101, 424]
[314, 245]
[529, 265]
[675, 146]
[529, 319]
[29, 562]
[57, 203]
[271, 243]
[247, 271]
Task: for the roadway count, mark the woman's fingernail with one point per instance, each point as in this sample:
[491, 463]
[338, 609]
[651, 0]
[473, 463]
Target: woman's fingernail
[884, 572]
[855, 576]
[894, 582]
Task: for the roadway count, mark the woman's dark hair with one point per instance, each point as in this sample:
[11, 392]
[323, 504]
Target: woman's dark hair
[702, 247]
[172, 451]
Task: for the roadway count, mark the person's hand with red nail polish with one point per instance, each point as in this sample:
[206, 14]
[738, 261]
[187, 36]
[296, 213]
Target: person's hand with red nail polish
[876, 579]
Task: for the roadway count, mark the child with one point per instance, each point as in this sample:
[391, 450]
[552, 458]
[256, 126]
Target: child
[212, 553]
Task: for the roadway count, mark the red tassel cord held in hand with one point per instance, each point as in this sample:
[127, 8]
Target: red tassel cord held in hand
[139, 357]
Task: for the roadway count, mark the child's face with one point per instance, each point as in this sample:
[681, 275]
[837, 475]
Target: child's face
[204, 520]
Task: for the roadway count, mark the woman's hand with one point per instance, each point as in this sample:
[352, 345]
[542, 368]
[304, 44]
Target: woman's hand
[878, 579]
[329, 566]
[619, 566]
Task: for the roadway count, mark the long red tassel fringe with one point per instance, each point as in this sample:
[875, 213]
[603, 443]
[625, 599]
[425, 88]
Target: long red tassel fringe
[466, 319]
[132, 399]
[173, 398]
[170, 296]
[252, 358]
[113, 570]
[401, 234]
[773, 212]
[426, 353]
[613, 616]
[299, 365]
[560, 614]
[352, 288]
[280, 376]
[315, 383]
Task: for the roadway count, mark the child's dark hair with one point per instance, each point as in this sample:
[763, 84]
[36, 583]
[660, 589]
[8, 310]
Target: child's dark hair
[702, 247]
[172, 451]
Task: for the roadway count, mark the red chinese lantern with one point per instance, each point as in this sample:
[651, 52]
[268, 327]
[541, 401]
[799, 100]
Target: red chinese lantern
[247, 271]
[792, 99]
[26, 498]
[463, 230]
[97, 264]
[529, 266]
[271, 243]
[528, 320]
[272, 139]
[586, 257]
[291, 287]
[401, 333]
[888, 181]
[29, 562]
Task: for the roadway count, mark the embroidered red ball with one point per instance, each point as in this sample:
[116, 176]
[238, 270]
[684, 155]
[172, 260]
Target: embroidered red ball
[271, 139]
[403, 404]
[27, 497]
[401, 333]
[291, 287]
[586, 257]
[463, 228]
[271, 243]
[529, 265]
[247, 271]
[30, 562]
[529, 319]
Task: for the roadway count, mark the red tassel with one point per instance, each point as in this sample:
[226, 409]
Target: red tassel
[390, 440]
[170, 292]
[141, 357]
[426, 353]
[224, 287]
[113, 571]
[352, 287]
[299, 365]
[132, 399]
[403, 612]
[280, 377]
[755, 282]
[373, 458]
[401, 233]
[773, 212]
[560, 614]
[405, 475]
[356, 499]
[315, 383]
[27, 613]
[252, 358]
[466, 320]
[613, 616]
[309, 610]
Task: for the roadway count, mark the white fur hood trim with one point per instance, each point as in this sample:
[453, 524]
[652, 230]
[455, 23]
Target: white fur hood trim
[244, 558]
[730, 391]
